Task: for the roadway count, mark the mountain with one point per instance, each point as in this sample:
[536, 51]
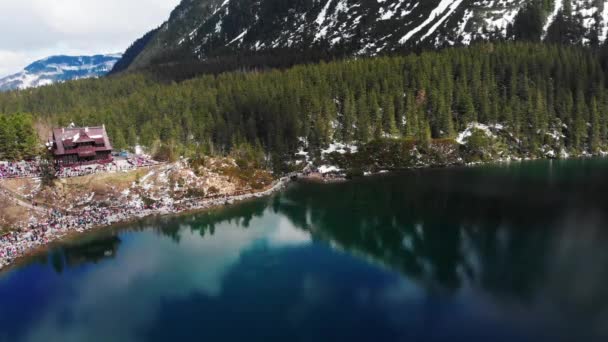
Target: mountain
[59, 69]
[132, 52]
[201, 30]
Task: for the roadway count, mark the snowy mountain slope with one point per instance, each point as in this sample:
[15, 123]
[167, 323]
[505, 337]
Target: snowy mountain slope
[59, 69]
[198, 29]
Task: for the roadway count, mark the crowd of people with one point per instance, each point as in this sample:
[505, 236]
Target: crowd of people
[115, 166]
[25, 239]
[141, 161]
[58, 224]
[32, 169]
[21, 169]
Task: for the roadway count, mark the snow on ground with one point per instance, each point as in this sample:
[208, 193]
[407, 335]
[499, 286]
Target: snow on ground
[321, 20]
[557, 7]
[556, 135]
[499, 21]
[339, 147]
[451, 10]
[548, 152]
[304, 156]
[239, 37]
[604, 33]
[335, 147]
[466, 37]
[449, 5]
[464, 135]
[301, 154]
[323, 169]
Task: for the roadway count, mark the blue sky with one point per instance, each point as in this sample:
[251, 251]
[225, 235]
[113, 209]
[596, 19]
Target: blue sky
[34, 29]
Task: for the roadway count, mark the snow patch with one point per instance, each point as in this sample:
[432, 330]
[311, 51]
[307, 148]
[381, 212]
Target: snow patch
[444, 5]
[338, 147]
[324, 169]
[239, 37]
[463, 136]
[557, 7]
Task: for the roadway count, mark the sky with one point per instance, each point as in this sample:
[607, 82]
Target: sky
[35, 29]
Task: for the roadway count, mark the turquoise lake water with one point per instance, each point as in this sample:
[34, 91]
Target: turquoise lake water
[514, 252]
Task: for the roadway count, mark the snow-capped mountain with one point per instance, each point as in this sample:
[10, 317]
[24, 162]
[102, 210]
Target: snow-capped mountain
[59, 69]
[199, 29]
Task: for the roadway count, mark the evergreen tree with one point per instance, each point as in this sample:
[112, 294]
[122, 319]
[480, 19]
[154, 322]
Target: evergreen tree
[349, 113]
[595, 139]
[528, 24]
[388, 117]
[578, 124]
[411, 117]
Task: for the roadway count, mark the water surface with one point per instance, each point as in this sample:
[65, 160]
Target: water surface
[503, 253]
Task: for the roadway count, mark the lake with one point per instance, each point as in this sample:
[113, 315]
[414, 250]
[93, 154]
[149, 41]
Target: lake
[515, 252]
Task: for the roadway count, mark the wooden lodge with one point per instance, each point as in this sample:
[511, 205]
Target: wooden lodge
[81, 145]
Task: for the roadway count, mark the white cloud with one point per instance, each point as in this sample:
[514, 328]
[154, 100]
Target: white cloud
[126, 293]
[34, 29]
[8, 59]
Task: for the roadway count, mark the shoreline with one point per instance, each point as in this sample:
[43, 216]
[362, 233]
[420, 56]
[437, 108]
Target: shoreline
[341, 175]
[190, 206]
[54, 236]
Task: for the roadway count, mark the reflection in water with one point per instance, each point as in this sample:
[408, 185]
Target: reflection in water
[495, 253]
[535, 233]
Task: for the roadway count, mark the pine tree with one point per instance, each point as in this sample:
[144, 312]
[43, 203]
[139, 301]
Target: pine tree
[132, 137]
[466, 108]
[411, 117]
[446, 125]
[25, 136]
[363, 120]
[424, 131]
[349, 117]
[118, 139]
[579, 125]
[528, 23]
[388, 117]
[8, 138]
[595, 139]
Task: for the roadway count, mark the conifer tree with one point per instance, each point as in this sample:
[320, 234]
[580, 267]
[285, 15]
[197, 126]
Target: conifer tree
[595, 139]
[411, 117]
[349, 117]
[578, 126]
[388, 117]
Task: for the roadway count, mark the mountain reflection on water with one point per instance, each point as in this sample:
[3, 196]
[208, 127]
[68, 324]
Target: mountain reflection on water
[503, 253]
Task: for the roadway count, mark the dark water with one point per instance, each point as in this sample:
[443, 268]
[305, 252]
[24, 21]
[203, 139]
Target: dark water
[508, 253]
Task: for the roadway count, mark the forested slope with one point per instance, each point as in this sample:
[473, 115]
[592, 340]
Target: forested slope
[541, 94]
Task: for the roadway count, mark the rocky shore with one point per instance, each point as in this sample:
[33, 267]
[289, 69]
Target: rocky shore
[18, 244]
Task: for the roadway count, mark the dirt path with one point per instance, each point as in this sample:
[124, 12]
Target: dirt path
[19, 200]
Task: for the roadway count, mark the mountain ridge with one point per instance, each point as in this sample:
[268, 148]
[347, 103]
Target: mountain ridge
[199, 30]
[59, 68]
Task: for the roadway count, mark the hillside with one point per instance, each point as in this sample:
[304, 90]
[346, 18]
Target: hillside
[271, 30]
[531, 100]
[59, 69]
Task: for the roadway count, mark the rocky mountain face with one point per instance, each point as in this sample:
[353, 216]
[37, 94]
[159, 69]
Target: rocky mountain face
[59, 69]
[201, 29]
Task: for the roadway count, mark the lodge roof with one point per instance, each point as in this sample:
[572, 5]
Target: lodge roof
[69, 138]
